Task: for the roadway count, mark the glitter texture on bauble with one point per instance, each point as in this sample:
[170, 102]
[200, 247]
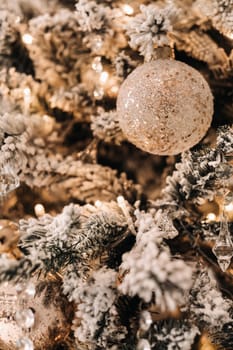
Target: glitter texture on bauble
[165, 107]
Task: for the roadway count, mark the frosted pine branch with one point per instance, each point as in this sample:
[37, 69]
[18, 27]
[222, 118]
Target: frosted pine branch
[220, 12]
[74, 237]
[207, 305]
[106, 127]
[87, 182]
[172, 334]
[96, 316]
[91, 16]
[149, 29]
[152, 273]
[201, 170]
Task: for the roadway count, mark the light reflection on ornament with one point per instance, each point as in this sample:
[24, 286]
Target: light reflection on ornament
[27, 39]
[25, 318]
[26, 290]
[223, 248]
[24, 344]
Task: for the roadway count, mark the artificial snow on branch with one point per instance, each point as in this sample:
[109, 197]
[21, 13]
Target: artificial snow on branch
[151, 272]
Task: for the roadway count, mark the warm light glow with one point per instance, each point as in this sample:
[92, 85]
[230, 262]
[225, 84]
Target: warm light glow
[27, 39]
[210, 217]
[27, 98]
[97, 65]
[114, 89]
[128, 10]
[17, 20]
[120, 200]
[229, 207]
[27, 92]
[98, 93]
[98, 203]
[97, 44]
[48, 123]
[104, 77]
[39, 210]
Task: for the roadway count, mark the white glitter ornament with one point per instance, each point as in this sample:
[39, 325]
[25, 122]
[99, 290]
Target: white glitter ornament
[165, 107]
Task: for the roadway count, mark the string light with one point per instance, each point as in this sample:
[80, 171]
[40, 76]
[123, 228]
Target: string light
[98, 203]
[27, 98]
[17, 20]
[39, 210]
[210, 217]
[104, 77]
[48, 123]
[97, 44]
[128, 10]
[229, 207]
[98, 93]
[27, 39]
[97, 65]
[114, 89]
[27, 91]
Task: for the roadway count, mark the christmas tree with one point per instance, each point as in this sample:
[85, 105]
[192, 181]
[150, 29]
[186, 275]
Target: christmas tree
[116, 190]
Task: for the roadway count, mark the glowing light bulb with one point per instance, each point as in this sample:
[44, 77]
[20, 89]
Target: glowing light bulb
[114, 89]
[17, 20]
[104, 77]
[48, 123]
[27, 91]
[210, 217]
[229, 207]
[39, 210]
[98, 203]
[128, 10]
[98, 93]
[97, 65]
[27, 39]
[120, 200]
[27, 99]
[97, 44]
